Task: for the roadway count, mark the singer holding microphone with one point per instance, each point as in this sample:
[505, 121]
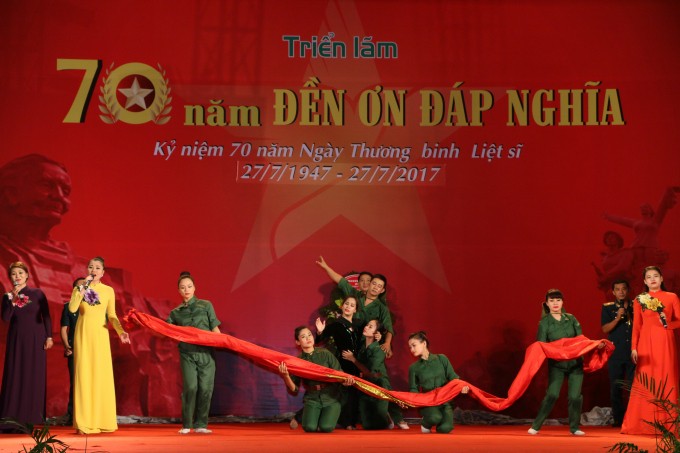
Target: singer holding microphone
[655, 313]
[24, 379]
[94, 393]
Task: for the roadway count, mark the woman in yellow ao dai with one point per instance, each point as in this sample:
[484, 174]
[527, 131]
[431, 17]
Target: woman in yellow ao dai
[94, 393]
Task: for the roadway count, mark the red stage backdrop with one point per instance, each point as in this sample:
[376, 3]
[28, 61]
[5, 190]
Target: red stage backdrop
[474, 152]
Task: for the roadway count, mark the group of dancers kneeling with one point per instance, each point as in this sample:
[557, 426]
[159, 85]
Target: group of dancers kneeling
[327, 404]
[355, 335]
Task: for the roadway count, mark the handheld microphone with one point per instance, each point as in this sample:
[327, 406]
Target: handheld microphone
[86, 286]
[663, 320]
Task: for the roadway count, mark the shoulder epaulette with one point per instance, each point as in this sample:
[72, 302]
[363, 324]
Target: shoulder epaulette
[607, 304]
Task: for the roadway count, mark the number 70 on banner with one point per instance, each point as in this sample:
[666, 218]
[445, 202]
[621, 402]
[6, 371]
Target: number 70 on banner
[133, 93]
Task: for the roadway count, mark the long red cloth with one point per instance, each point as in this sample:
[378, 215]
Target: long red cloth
[594, 358]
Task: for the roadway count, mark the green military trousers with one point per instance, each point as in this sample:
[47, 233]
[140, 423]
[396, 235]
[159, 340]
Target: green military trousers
[198, 376]
[556, 377]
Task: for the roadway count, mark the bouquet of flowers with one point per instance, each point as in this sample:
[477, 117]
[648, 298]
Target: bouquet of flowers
[22, 300]
[648, 302]
[91, 297]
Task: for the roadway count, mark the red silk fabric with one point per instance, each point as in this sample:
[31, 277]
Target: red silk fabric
[536, 353]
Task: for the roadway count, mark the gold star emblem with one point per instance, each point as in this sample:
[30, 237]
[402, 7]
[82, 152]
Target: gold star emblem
[135, 95]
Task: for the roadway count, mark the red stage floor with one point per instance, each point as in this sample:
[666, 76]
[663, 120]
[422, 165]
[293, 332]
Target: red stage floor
[278, 437]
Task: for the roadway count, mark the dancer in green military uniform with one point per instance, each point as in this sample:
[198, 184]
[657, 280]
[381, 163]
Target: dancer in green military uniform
[431, 371]
[321, 401]
[555, 325]
[617, 323]
[197, 362]
[374, 413]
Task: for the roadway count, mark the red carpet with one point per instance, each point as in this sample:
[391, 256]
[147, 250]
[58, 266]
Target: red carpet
[277, 437]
